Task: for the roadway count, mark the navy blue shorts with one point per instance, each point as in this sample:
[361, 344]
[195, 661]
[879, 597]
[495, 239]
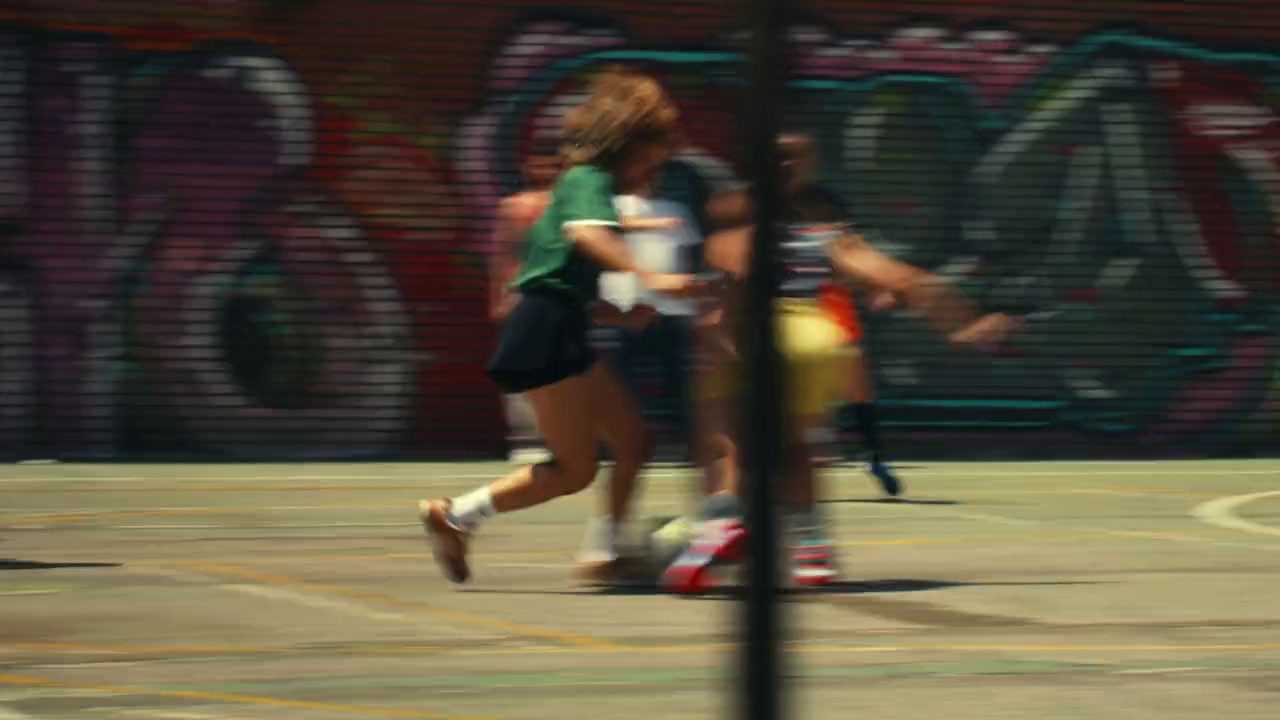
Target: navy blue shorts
[543, 341]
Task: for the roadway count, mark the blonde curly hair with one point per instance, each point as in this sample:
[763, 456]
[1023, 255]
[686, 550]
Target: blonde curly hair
[624, 109]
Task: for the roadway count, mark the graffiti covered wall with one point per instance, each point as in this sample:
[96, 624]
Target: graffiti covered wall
[256, 229]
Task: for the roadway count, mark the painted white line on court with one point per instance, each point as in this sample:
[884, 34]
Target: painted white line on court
[1161, 671]
[271, 526]
[320, 603]
[999, 519]
[526, 566]
[296, 597]
[1222, 512]
[1091, 529]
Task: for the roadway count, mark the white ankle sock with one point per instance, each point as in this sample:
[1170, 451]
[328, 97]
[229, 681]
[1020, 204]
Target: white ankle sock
[600, 542]
[468, 511]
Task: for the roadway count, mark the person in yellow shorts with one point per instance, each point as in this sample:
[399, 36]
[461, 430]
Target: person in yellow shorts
[809, 201]
[818, 350]
[817, 353]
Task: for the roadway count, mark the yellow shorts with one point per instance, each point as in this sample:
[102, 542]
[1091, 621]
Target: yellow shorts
[816, 351]
[816, 354]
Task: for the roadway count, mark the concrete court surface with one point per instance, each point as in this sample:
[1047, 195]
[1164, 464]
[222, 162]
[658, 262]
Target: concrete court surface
[1052, 591]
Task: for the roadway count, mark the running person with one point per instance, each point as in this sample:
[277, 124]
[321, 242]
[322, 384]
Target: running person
[659, 233]
[516, 215]
[623, 131]
[806, 201]
[814, 348]
[817, 351]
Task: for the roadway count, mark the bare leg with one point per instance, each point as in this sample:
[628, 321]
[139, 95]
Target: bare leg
[800, 487]
[565, 419]
[620, 424]
[564, 413]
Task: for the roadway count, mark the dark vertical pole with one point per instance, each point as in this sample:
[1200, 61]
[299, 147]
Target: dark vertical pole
[762, 657]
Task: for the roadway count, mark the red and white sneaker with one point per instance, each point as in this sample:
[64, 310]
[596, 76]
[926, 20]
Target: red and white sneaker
[719, 542]
[813, 565]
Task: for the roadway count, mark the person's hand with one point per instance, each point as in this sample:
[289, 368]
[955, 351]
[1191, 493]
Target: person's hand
[987, 332]
[674, 284]
[650, 223]
[499, 310]
[639, 317]
[711, 319]
[883, 300]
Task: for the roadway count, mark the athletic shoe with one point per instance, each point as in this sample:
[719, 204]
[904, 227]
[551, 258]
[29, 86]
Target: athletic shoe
[813, 564]
[448, 541]
[888, 481]
[719, 542]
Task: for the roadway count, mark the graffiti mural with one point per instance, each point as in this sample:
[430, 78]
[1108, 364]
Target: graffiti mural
[1119, 192]
[219, 247]
[194, 278]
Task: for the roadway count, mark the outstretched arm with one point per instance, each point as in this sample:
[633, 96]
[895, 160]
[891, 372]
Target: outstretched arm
[590, 221]
[948, 311]
[605, 245]
[502, 267]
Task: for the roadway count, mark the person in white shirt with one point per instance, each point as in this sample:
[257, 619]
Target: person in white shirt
[662, 236]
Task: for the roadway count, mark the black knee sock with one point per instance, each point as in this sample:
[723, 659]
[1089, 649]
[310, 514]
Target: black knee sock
[869, 428]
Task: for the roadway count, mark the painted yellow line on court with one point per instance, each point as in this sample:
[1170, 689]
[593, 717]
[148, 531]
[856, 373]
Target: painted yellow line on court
[143, 648]
[500, 556]
[420, 608]
[63, 517]
[246, 487]
[195, 650]
[28, 681]
[215, 487]
[1222, 512]
[86, 515]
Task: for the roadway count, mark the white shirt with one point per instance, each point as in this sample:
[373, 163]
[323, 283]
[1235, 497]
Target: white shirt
[664, 251]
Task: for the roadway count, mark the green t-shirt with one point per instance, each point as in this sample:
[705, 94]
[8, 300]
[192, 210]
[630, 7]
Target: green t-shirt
[582, 196]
